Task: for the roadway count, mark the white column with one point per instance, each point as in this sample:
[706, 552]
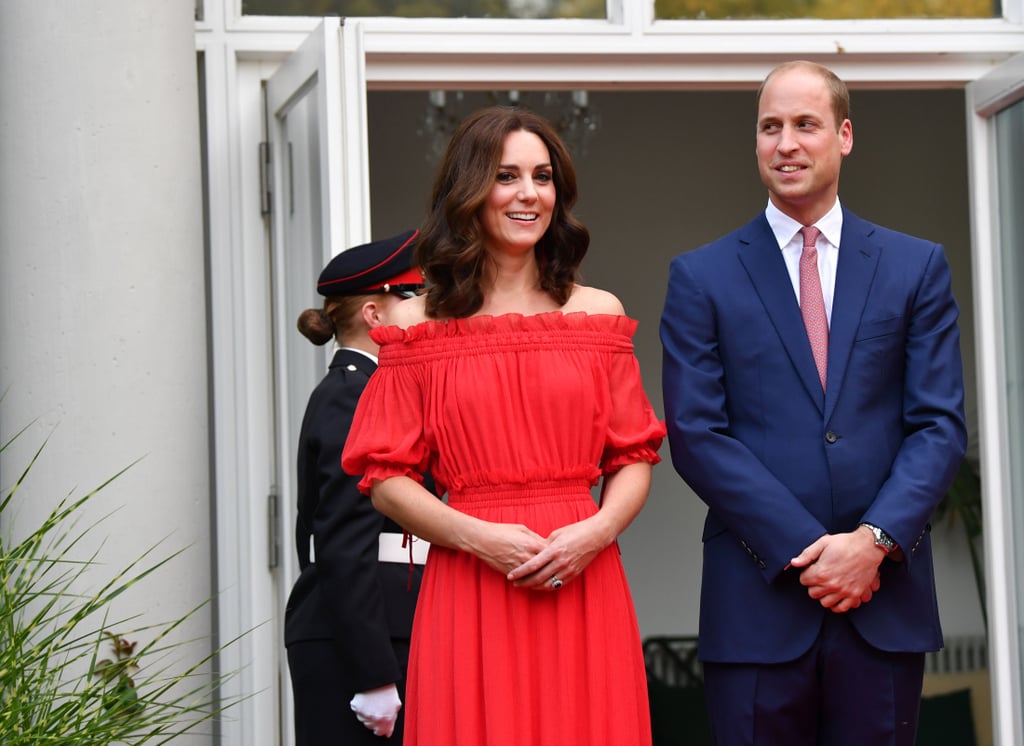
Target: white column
[102, 281]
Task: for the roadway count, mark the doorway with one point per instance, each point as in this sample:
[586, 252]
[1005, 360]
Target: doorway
[668, 171]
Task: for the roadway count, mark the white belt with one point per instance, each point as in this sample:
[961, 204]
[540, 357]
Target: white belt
[390, 549]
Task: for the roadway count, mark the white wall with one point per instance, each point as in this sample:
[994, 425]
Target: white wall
[667, 172]
[102, 289]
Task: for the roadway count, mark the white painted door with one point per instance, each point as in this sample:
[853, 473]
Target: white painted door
[319, 205]
[995, 112]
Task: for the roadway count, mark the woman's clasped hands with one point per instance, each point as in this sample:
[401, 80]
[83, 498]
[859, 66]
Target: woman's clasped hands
[532, 561]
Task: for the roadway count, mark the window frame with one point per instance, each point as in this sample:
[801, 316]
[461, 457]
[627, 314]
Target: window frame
[632, 48]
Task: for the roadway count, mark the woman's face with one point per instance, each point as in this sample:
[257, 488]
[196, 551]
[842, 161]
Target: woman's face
[518, 210]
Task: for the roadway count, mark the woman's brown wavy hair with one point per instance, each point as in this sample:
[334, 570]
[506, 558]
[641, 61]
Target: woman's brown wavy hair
[451, 253]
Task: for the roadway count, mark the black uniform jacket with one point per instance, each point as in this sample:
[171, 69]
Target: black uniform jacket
[346, 595]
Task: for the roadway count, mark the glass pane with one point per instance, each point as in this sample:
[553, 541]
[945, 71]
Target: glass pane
[1010, 150]
[430, 8]
[572, 113]
[826, 9]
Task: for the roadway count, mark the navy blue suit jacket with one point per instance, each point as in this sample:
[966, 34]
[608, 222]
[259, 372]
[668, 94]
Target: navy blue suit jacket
[779, 462]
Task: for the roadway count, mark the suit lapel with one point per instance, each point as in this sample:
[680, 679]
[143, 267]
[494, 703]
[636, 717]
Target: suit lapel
[759, 252]
[855, 271]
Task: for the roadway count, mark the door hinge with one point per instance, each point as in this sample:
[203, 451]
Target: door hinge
[273, 530]
[265, 182]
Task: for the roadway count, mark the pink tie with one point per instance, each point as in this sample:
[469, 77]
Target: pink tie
[812, 305]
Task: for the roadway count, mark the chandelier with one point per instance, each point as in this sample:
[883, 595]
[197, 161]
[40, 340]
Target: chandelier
[569, 112]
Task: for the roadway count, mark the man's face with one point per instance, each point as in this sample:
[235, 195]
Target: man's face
[799, 146]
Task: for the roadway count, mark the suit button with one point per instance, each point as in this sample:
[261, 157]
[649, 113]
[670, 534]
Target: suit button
[831, 437]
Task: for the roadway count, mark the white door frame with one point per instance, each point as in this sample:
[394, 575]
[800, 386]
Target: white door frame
[326, 72]
[631, 51]
[986, 97]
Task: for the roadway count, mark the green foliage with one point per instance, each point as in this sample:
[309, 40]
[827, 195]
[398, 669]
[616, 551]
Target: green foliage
[121, 697]
[962, 503]
[664, 9]
[825, 9]
[54, 687]
[428, 8]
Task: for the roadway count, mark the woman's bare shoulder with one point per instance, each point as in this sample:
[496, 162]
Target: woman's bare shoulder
[407, 313]
[593, 300]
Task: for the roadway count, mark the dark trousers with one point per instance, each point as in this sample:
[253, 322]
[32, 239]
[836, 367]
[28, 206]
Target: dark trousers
[321, 697]
[842, 692]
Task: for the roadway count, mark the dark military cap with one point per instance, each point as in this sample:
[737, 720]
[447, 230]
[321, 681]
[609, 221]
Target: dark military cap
[383, 266]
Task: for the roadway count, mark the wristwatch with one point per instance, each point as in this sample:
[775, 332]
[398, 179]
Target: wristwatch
[882, 539]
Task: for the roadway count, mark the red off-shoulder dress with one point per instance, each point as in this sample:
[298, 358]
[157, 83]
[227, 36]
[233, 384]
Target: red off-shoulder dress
[517, 417]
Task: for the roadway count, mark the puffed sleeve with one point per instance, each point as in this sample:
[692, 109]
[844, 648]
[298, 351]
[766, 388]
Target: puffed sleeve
[386, 439]
[634, 431]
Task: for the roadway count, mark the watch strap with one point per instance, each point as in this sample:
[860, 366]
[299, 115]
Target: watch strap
[882, 539]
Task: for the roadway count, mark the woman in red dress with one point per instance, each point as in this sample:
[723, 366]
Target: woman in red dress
[518, 388]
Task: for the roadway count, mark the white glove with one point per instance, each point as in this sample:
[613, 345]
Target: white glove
[378, 709]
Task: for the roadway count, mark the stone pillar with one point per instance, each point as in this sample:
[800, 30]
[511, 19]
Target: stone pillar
[102, 282]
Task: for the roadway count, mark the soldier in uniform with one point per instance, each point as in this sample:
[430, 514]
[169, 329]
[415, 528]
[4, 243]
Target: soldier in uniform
[349, 615]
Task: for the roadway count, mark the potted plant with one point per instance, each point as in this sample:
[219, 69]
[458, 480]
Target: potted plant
[56, 685]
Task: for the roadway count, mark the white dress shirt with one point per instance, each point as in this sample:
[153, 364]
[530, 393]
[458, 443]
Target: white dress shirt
[791, 242]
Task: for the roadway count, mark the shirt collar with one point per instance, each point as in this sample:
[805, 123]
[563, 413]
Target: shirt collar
[338, 347]
[785, 228]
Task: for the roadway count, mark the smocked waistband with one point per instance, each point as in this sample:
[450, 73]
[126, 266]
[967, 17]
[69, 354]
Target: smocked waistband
[537, 491]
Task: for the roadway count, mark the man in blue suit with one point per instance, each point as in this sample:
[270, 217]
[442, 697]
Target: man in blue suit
[821, 447]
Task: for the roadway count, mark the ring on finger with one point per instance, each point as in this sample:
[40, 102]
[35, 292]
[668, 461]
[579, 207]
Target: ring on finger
[556, 582]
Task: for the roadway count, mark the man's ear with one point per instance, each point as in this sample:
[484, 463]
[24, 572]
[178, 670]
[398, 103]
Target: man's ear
[846, 137]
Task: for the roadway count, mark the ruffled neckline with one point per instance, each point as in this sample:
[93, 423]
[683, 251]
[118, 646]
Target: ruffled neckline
[508, 323]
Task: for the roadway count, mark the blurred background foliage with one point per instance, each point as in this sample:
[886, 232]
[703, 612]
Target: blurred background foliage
[664, 9]
[962, 505]
[825, 9]
[430, 8]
